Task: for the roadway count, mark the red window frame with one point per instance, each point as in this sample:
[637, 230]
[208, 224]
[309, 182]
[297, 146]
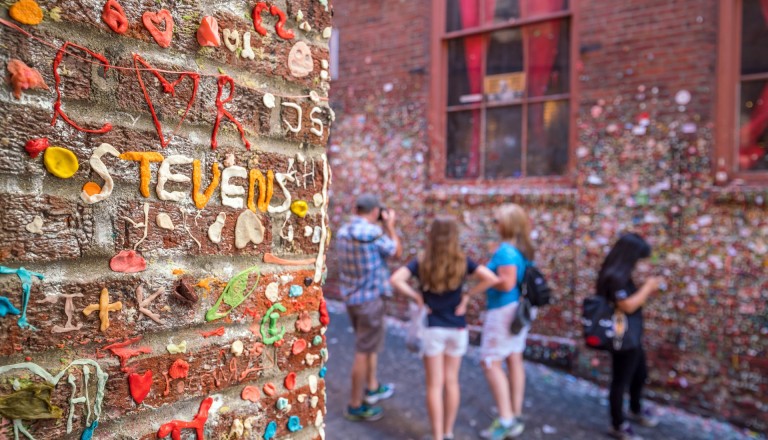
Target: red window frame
[725, 159]
[438, 106]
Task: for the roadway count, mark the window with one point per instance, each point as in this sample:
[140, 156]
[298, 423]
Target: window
[742, 139]
[503, 107]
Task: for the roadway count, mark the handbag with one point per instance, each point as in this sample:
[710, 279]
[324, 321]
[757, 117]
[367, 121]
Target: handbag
[607, 328]
[524, 315]
[416, 326]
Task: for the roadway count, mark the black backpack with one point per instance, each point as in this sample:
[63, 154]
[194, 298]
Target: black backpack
[535, 287]
[608, 329]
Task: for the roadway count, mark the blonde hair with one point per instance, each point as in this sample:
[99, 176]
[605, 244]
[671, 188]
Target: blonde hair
[442, 264]
[514, 225]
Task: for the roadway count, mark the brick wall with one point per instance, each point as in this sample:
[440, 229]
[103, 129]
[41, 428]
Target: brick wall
[223, 329]
[705, 332]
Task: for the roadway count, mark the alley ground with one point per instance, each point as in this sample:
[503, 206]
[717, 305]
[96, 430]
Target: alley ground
[558, 405]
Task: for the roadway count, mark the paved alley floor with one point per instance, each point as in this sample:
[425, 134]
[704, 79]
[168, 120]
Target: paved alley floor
[557, 406]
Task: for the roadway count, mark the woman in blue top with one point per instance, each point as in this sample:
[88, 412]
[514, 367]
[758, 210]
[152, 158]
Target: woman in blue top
[441, 271]
[498, 342]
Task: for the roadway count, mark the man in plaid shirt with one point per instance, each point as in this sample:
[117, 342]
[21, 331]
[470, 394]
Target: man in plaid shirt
[362, 248]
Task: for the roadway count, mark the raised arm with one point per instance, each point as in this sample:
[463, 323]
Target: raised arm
[399, 281]
[390, 218]
[634, 302]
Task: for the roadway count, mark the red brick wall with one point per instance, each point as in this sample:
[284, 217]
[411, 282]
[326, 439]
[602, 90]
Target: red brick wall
[73, 242]
[705, 332]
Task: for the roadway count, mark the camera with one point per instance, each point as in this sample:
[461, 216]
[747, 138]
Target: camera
[382, 210]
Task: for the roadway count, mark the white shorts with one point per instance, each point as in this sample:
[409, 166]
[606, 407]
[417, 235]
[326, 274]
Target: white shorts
[497, 341]
[445, 340]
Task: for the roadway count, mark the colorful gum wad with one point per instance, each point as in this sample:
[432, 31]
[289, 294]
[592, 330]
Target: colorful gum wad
[208, 32]
[26, 12]
[23, 77]
[300, 208]
[60, 162]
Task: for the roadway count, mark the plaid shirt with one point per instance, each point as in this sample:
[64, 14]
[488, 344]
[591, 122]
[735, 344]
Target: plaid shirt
[361, 250]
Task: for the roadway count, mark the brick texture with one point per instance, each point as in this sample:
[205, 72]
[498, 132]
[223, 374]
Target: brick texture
[162, 316]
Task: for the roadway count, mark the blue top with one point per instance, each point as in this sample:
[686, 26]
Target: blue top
[443, 305]
[361, 251]
[506, 255]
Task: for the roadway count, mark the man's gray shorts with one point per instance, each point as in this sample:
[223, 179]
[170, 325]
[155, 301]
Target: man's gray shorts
[368, 321]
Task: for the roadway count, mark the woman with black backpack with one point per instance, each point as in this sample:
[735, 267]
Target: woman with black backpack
[615, 283]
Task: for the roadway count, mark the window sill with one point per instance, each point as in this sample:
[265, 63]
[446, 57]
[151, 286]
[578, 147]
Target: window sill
[479, 193]
[750, 194]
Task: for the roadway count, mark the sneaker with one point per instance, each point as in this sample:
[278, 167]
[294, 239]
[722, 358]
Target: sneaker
[624, 432]
[498, 432]
[364, 413]
[385, 391]
[487, 432]
[645, 418]
[448, 437]
[502, 433]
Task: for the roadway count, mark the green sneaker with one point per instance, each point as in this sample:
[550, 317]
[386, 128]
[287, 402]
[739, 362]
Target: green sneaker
[364, 413]
[385, 391]
[487, 432]
[498, 432]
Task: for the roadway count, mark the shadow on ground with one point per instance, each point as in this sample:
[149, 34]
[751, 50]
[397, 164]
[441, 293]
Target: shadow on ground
[558, 406]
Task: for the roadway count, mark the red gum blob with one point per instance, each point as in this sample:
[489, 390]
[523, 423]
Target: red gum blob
[140, 385]
[152, 19]
[325, 319]
[285, 34]
[257, 10]
[114, 16]
[290, 381]
[119, 350]
[251, 394]
[215, 332]
[208, 32]
[221, 111]
[198, 423]
[298, 346]
[36, 146]
[128, 262]
[168, 87]
[269, 389]
[23, 77]
[179, 369]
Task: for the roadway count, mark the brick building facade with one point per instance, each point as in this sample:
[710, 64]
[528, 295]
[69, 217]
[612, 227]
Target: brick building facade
[163, 219]
[647, 116]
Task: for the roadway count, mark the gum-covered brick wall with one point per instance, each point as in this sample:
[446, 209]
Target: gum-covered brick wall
[644, 137]
[163, 198]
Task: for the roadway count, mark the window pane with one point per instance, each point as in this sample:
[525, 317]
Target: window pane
[754, 37]
[549, 61]
[547, 153]
[465, 70]
[753, 120]
[498, 11]
[463, 141]
[505, 79]
[503, 145]
[536, 8]
[461, 14]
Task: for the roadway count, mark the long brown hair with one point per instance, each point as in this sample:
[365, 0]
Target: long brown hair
[514, 225]
[443, 264]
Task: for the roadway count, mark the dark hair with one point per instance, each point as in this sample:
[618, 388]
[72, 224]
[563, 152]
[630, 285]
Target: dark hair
[616, 270]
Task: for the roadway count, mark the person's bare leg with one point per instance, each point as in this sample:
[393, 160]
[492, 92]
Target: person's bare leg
[499, 385]
[372, 378]
[359, 368]
[516, 382]
[452, 396]
[433, 369]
